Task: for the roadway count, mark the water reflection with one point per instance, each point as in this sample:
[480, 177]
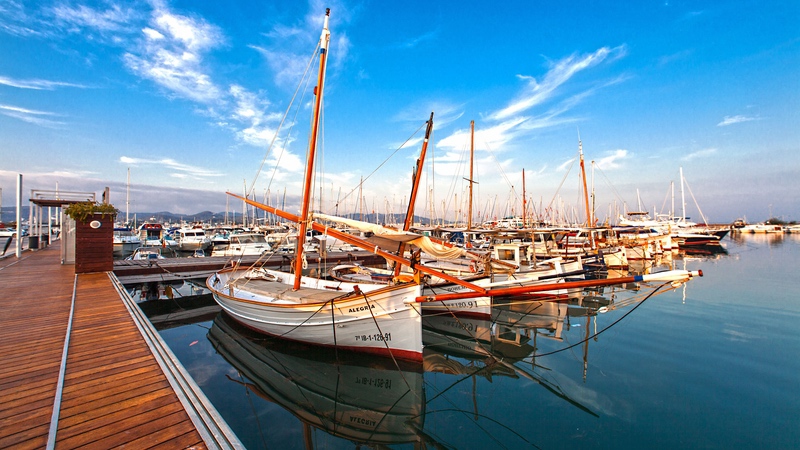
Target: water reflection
[506, 345]
[476, 375]
[770, 239]
[166, 289]
[365, 400]
[378, 402]
[653, 377]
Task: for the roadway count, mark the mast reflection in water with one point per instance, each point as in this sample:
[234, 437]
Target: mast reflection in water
[597, 368]
[365, 400]
[339, 396]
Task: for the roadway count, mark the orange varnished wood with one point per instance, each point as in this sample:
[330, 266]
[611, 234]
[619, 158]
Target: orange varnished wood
[114, 392]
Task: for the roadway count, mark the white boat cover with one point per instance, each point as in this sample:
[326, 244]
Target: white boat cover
[397, 236]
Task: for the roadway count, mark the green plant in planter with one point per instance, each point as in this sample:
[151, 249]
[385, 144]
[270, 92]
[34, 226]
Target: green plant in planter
[84, 210]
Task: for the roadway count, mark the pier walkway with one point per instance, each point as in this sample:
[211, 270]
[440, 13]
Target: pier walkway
[113, 385]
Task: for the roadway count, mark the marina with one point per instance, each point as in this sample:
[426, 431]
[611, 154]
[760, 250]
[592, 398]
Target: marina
[597, 366]
[346, 300]
[685, 368]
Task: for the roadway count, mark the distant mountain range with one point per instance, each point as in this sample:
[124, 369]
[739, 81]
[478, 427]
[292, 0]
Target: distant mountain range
[8, 214]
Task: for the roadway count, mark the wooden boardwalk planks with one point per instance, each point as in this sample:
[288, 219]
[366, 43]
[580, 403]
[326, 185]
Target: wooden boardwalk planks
[114, 392]
[34, 311]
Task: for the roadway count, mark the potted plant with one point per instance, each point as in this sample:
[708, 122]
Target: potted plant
[82, 211]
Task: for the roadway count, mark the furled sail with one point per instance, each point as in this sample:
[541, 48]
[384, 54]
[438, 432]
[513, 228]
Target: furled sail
[391, 236]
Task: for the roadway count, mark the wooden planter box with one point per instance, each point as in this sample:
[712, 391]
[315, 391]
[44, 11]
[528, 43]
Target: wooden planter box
[94, 247]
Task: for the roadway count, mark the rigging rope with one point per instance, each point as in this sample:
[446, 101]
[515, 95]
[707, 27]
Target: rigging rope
[361, 183]
[280, 125]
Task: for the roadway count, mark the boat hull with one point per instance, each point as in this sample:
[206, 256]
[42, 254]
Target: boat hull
[125, 247]
[382, 321]
[481, 307]
[190, 246]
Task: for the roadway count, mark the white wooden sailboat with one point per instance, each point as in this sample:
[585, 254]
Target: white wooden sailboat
[375, 319]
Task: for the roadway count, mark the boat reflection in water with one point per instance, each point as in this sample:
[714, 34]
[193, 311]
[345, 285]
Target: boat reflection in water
[504, 347]
[376, 402]
[368, 400]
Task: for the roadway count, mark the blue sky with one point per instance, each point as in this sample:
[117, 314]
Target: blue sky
[188, 96]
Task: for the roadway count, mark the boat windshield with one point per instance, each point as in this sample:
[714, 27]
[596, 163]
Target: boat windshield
[249, 239]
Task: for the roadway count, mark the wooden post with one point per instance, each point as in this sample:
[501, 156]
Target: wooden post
[94, 244]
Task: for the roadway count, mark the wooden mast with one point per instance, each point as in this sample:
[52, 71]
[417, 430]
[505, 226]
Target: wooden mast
[471, 162]
[585, 190]
[524, 202]
[318, 90]
[416, 176]
[670, 275]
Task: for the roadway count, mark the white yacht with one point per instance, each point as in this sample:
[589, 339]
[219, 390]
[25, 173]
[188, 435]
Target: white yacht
[192, 239]
[243, 244]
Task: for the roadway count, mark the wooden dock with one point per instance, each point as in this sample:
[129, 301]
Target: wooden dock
[171, 269]
[80, 367]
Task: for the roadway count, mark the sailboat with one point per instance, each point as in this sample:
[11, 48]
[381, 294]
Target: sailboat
[374, 319]
[689, 234]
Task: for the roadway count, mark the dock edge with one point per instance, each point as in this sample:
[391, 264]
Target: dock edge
[209, 423]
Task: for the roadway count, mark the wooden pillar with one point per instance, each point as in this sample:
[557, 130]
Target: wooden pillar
[94, 244]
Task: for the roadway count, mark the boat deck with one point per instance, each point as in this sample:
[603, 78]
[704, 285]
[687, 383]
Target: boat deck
[110, 388]
[283, 293]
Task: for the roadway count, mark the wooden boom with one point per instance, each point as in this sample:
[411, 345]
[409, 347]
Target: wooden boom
[671, 275]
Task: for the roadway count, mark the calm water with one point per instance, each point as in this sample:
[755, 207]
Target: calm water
[713, 364]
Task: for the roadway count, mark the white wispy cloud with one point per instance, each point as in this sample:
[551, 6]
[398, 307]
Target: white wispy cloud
[612, 159]
[287, 67]
[692, 15]
[74, 174]
[35, 84]
[171, 52]
[288, 50]
[16, 21]
[559, 73]
[493, 137]
[31, 116]
[164, 47]
[17, 109]
[180, 170]
[249, 108]
[511, 123]
[678, 56]
[699, 154]
[417, 40]
[566, 165]
[730, 120]
[113, 19]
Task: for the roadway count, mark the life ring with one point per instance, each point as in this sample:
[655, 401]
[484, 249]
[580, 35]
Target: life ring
[473, 266]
